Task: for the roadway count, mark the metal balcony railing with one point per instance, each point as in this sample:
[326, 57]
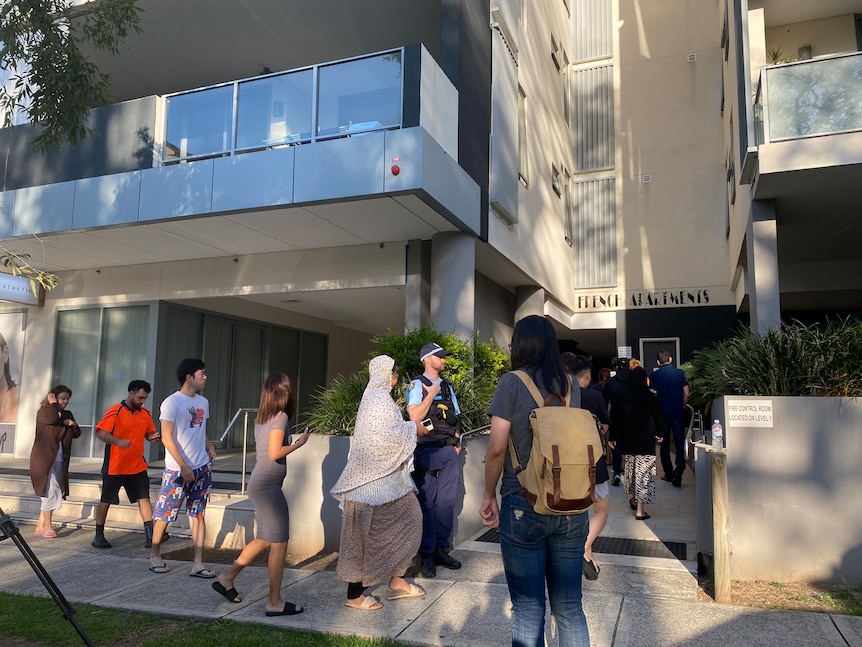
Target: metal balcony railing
[328, 101]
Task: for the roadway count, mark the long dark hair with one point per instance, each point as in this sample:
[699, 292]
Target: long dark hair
[57, 390]
[276, 395]
[535, 350]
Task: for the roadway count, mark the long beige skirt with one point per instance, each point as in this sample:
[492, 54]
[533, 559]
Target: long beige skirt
[378, 542]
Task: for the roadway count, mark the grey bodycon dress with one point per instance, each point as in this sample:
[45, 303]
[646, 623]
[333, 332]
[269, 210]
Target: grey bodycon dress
[264, 485]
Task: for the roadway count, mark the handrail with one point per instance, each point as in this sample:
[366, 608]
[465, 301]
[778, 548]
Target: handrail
[470, 433]
[245, 410]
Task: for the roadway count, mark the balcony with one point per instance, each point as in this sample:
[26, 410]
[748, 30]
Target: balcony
[809, 98]
[341, 99]
[349, 152]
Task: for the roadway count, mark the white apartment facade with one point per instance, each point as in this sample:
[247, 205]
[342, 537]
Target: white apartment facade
[280, 181]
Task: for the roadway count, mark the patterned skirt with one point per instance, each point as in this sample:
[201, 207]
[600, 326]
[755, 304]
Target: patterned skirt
[639, 476]
[378, 542]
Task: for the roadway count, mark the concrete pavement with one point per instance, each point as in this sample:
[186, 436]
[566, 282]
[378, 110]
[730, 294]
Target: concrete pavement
[636, 601]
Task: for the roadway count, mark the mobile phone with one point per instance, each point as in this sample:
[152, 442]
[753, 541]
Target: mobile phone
[428, 424]
[305, 431]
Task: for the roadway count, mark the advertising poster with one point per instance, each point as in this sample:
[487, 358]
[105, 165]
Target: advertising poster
[12, 357]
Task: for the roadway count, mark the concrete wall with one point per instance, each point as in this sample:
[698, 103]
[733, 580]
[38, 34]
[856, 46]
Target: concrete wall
[315, 519]
[832, 35]
[793, 488]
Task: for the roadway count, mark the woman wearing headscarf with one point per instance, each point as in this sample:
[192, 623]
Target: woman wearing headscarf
[540, 552]
[381, 525]
[635, 423]
[49, 458]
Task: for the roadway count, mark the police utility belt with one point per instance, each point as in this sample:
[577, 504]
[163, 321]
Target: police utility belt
[436, 444]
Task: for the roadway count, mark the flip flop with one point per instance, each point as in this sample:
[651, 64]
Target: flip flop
[231, 594]
[642, 518]
[370, 603]
[414, 592]
[160, 569]
[49, 534]
[290, 609]
[591, 569]
[204, 574]
[38, 532]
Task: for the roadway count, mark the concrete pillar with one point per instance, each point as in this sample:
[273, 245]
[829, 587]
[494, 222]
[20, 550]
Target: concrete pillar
[417, 299]
[761, 243]
[529, 300]
[453, 283]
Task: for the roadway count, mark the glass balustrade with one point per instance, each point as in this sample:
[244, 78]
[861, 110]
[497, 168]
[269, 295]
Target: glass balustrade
[807, 98]
[333, 100]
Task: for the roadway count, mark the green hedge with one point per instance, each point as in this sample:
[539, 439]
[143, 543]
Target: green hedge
[795, 359]
[473, 369]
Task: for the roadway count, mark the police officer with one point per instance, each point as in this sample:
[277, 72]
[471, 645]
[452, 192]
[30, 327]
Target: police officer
[430, 400]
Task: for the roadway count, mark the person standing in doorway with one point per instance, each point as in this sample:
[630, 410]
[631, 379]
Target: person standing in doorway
[188, 456]
[123, 429]
[432, 402]
[671, 386]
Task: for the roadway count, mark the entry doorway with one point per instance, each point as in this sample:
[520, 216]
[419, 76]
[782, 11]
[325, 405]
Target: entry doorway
[649, 346]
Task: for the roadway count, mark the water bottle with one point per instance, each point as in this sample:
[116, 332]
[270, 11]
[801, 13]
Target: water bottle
[717, 440]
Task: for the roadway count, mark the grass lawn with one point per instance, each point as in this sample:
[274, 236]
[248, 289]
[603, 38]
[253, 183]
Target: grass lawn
[29, 621]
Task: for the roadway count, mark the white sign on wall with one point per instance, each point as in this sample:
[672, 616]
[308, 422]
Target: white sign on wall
[749, 413]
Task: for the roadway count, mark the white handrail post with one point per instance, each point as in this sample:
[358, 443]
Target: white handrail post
[244, 451]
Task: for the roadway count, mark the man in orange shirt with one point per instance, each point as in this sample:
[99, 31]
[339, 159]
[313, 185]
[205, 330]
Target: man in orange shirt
[123, 429]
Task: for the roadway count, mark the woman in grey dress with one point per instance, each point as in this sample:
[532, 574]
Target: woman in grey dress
[272, 444]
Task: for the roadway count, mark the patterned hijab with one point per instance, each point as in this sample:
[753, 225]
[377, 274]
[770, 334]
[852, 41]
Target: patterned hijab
[382, 440]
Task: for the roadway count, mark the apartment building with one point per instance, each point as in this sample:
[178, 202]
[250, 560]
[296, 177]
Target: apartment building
[278, 181]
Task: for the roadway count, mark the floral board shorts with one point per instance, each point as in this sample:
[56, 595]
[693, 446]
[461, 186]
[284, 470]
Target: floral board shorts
[173, 491]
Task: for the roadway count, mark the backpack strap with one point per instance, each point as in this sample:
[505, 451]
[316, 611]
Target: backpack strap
[541, 402]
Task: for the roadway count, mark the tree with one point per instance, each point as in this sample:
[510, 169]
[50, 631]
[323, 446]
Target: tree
[42, 45]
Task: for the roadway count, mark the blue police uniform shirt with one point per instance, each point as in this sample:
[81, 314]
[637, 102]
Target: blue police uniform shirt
[414, 394]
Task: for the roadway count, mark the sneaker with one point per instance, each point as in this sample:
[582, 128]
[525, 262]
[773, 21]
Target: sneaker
[677, 481]
[100, 542]
[442, 558]
[617, 480]
[429, 568]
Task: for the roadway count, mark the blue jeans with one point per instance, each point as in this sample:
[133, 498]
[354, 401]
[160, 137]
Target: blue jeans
[538, 550]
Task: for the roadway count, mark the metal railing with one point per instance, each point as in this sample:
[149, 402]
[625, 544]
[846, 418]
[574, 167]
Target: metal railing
[246, 411]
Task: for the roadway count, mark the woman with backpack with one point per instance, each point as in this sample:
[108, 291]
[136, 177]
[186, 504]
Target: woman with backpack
[538, 550]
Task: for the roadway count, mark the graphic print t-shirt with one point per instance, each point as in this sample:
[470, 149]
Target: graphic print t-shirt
[189, 415]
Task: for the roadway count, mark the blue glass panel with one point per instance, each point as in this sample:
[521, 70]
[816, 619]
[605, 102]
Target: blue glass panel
[199, 123]
[359, 96]
[275, 110]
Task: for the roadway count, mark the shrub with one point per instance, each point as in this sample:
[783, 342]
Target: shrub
[795, 359]
[473, 372]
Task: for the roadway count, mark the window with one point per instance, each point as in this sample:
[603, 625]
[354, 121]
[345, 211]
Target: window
[555, 53]
[98, 351]
[555, 180]
[523, 166]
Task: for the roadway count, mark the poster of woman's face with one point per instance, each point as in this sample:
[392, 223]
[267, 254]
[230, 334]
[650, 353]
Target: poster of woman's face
[12, 359]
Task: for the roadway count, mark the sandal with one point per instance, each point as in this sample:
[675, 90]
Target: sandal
[642, 517]
[370, 603]
[49, 534]
[414, 592]
[633, 504]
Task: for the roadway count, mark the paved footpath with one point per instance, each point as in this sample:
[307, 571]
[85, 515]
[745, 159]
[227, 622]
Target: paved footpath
[632, 603]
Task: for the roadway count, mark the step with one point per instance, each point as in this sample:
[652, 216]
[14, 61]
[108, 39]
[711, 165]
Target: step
[230, 516]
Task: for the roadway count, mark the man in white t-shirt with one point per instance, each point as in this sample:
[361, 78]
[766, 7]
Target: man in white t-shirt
[188, 455]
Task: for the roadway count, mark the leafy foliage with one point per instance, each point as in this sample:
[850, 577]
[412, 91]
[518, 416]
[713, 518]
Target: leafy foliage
[816, 360]
[42, 43]
[18, 265]
[472, 370]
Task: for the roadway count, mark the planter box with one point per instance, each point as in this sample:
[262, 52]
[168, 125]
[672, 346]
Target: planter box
[794, 473]
[315, 519]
